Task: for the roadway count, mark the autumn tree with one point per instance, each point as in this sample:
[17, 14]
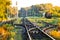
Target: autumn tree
[3, 9]
[56, 11]
[12, 11]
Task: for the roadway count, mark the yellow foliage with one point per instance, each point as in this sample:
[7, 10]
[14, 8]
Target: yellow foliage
[12, 39]
[3, 7]
[12, 10]
[55, 34]
[48, 6]
[12, 34]
[4, 33]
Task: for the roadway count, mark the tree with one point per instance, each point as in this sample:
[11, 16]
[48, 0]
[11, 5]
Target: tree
[3, 9]
[48, 6]
[12, 11]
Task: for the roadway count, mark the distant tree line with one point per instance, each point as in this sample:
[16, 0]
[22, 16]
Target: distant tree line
[38, 10]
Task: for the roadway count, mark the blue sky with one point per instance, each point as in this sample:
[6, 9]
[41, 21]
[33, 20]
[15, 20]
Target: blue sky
[27, 3]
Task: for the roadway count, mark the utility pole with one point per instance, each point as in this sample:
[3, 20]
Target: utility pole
[17, 9]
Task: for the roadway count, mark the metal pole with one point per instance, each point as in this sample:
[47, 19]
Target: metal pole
[17, 10]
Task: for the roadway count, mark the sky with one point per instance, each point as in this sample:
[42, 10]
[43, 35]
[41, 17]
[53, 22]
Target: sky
[27, 3]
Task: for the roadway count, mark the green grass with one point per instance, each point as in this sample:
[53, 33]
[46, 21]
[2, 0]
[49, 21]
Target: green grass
[18, 35]
[53, 21]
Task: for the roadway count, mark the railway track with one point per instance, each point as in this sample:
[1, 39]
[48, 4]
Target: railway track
[34, 33]
[47, 26]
